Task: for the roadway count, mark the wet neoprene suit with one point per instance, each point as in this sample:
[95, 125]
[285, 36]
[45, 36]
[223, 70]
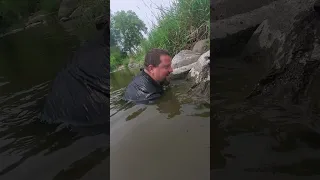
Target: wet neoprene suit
[143, 89]
[80, 93]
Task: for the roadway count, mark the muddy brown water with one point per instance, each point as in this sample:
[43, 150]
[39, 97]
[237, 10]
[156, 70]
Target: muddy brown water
[168, 140]
[259, 138]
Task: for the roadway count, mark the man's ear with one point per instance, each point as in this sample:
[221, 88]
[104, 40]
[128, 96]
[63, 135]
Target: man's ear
[150, 68]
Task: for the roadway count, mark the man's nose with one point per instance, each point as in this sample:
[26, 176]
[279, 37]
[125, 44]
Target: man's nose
[170, 70]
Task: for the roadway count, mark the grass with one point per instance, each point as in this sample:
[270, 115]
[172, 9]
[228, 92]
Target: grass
[186, 22]
[178, 27]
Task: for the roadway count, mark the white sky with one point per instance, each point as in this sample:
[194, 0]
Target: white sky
[145, 9]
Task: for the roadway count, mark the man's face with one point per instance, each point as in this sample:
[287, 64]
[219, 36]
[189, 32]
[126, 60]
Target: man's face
[160, 72]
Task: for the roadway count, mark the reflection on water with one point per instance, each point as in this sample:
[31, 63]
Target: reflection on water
[261, 138]
[30, 149]
[163, 135]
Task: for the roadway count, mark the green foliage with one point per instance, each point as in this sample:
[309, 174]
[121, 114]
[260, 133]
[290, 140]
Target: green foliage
[179, 27]
[126, 29]
[186, 22]
[114, 34]
[117, 57]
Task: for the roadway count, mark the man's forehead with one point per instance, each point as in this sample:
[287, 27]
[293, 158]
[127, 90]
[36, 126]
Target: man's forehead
[166, 59]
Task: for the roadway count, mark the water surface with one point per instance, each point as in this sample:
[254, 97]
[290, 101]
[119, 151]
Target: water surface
[168, 140]
[29, 149]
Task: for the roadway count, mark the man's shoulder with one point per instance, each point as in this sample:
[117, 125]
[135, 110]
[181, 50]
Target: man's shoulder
[139, 81]
[140, 88]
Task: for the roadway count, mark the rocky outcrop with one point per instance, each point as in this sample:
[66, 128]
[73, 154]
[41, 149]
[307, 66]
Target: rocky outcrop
[288, 46]
[201, 46]
[199, 75]
[183, 62]
[229, 35]
[184, 58]
[133, 65]
[187, 60]
[180, 73]
[195, 68]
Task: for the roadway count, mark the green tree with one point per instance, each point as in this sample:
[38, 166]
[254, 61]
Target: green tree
[113, 34]
[127, 30]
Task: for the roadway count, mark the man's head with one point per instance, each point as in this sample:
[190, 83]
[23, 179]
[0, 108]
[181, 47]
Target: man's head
[157, 63]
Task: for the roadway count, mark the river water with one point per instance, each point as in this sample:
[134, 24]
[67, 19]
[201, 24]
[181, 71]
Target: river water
[259, 138]
[169, 140]
[29, 149]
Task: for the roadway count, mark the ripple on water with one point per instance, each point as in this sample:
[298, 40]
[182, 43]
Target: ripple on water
[30, 149]
[167, 135]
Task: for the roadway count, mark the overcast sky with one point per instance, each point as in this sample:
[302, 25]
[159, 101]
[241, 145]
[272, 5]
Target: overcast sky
[144, 9]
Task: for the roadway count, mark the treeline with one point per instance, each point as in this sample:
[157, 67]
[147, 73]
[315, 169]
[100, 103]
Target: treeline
[125, 37]
[178, 27]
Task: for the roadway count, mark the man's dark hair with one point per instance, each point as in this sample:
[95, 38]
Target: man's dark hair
[153, 57]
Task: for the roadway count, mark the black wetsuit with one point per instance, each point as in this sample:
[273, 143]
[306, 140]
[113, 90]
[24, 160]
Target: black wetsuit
[143, 89]
[80, 92]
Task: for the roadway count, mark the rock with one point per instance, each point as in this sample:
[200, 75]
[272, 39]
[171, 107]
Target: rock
[200, 77]
[121, 68]
[197, 72]
[183, 62]
[133, 65]
[39, 18]
[180, 73]
[67, 7]
[184, 58]
[287, 45]
[267, 42]
[228, 36]
[201, 46]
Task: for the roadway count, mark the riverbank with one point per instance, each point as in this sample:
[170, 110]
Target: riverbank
[183, 29]
[179, 28]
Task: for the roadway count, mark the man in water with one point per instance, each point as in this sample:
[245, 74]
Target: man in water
[147, 86]
[80, 92]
